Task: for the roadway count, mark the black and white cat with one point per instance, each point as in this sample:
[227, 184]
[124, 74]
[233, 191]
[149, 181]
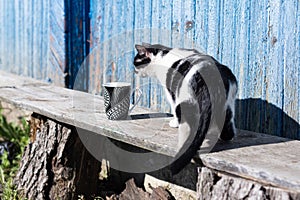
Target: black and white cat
[181, 71]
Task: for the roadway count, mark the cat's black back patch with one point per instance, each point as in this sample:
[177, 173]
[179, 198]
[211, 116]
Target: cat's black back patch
[176, 75]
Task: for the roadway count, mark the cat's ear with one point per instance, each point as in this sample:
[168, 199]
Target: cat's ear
[141, 49]
[147, 45]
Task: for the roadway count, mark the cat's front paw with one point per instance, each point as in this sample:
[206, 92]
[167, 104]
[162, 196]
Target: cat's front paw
[174, 123]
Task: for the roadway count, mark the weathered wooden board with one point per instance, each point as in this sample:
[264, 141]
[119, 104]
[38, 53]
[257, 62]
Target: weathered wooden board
[32, 39]
[86, 111]
[249, 37]
[259, 157]
[222, 186]
[58, 32]
[267, 159]
[259, 41]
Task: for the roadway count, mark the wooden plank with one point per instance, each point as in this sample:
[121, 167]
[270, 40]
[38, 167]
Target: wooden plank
[201, 25]
[87, 111]
[143, 33]
[258, 40]
[1, 34]
[177, 24]
[267, 159]
[291, 78]
[298, 62]
[213, 29]
[259, 157]
[227, 26]
[217, 185]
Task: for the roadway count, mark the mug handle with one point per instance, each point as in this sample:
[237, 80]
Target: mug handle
[138, 98]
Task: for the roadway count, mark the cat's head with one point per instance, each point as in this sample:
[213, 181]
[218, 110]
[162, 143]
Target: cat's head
[146, 55]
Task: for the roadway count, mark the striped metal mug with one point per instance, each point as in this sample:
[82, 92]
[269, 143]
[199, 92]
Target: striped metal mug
[117, 100]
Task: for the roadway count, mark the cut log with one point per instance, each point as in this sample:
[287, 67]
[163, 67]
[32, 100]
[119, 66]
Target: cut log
[151, 184]
[56, 165]
[133, 192]
[216, 185]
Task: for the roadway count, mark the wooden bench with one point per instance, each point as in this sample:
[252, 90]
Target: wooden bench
[56, 164]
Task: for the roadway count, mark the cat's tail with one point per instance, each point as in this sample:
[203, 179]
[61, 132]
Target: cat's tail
[194, 120]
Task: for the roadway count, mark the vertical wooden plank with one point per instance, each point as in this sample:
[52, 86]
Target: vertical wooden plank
[274, 73]
[118, 45]
[267, 112]
[188, 22]
[57, 36]
[178, 24]
[129, 17]
[10, 35]
[43, 62]
[78, 25]
[142, 24]
[107, 71]
[213, 28]
[291, 81]
[92, 46]
[112, 42]
[258, 61]
[1, 34]
[22, 38]
[28, 38]
[45, 49]
[298, 63]
[228, 37]
[17, 31]
[243, 47]
[94, 73]
[201, 24]
[36, 37]
[254, 67]
[165, 26]
[242, 51]
[154, 87]
[101, 17]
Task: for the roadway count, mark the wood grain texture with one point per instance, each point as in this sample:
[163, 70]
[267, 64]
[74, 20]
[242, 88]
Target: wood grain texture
[177, 191]
[86, 111]
[266, 159]
[58, 33]
[259, 41]
[133, 192]
[49, 170]
[260, 157]
[249, 37]
[217, 185]
[30, 39]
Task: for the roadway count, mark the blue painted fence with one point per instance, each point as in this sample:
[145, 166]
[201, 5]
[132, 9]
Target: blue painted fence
[258, 40]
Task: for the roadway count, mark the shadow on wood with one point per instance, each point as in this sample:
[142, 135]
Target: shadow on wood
[149, 116]
[260, 116]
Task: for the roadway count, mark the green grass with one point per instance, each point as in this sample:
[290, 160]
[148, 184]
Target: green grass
[19, 135]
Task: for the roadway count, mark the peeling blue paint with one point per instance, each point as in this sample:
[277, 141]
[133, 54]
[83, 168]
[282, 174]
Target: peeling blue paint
[258, 40]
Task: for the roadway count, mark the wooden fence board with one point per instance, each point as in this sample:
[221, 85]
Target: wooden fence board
[259, 41]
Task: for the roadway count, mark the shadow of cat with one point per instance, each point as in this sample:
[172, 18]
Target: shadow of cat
[258, 115]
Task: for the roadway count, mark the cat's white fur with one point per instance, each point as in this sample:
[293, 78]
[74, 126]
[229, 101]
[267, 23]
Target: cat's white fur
[159, 67]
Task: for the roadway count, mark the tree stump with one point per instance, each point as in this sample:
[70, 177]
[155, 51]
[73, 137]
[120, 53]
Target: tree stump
[132, 192]
[217, 185]
[56, 165]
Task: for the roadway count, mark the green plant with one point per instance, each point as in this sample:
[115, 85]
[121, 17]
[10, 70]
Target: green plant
[19, 136]
[8, 192]
[14, 133]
